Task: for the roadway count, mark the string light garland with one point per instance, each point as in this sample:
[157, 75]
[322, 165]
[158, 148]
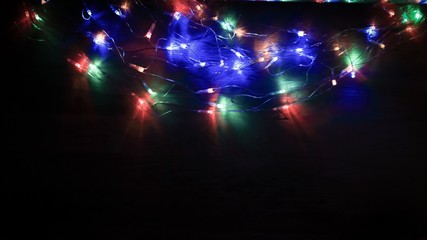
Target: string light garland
[189, 57]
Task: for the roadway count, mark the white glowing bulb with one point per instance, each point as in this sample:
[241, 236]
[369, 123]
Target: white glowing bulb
[89, 12]
[221, 63]
[301, 33]
[215, 18]
[336, 48]
[118, 12]
[27, 14]
[274, 59]
[183, 46]
[353, 74]
[78, 65]
[202, 64]
[382, 45]
[211, 90]
[176, 15]
[238, 54]
[391, 13]
[299, 50]
[220, 106]
[140, 101]
[334, 82]
[198, 8]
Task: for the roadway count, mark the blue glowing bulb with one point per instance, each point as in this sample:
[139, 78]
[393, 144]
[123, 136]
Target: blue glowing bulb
[301, 33]
[371, 32]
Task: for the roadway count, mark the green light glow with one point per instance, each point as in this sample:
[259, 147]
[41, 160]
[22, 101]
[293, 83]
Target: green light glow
[412, 14]
[222, 103]
[356, 58]
[287, 84]
[38, 18]
[94, 71]
[229, 23]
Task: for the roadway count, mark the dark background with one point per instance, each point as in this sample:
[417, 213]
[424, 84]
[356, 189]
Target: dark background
[348, 164]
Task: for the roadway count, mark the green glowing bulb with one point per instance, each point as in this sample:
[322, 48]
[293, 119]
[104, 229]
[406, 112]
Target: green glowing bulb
[38, 18]
[412, 14]
[355, 58]
[229, 24]
[93, 71]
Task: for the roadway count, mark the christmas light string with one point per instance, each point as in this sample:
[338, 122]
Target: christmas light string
[190, 58]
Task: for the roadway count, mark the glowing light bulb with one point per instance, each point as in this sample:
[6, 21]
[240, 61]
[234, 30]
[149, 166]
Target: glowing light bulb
[44, 2]
[150, 31]
[202, 64]
[391, 13]
[99, 38]
[78, 65]
[199, 8]
[334, 82]
[301, 33]
[221, 63]
[148, 35]
[177, 15]
[37, 17]
[336, 48]
[138, 68]
[349, 69]
[89, 12]
[125, 6]
[238, 54]
[220, 106]
[118, 12]
[183, 46]
[215, 18]
[140, 101]
[382, 46]
[211, 90]
[261, 59]
[371, 32]
[205, 111]
[299, 50]
[274, 59]
[27, 14]
[239, 32]
[353, 74]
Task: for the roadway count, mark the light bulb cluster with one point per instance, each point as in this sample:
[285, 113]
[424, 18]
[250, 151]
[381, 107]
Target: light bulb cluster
[214, 60]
